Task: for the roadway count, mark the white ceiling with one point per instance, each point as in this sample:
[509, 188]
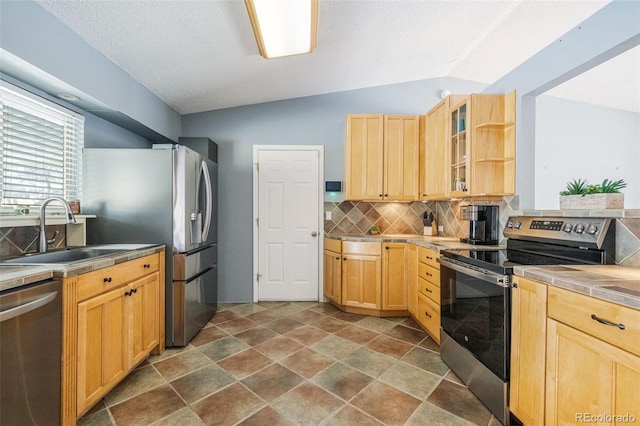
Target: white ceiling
[201, 55]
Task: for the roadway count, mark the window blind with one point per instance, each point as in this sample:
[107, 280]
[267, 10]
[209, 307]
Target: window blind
[41, 148]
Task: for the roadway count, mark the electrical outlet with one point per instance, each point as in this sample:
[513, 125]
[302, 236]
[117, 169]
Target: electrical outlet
[327, 215]
[440, 228]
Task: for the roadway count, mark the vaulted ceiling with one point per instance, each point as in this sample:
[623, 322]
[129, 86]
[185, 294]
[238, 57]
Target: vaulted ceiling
[200, 55]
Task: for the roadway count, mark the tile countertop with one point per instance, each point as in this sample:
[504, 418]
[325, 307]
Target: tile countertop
[12, 276]
[430, 242]
[617, 284]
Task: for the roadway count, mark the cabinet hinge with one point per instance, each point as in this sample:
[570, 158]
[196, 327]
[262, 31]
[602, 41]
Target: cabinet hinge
[258, 275]
[258, 167]
[257, 222]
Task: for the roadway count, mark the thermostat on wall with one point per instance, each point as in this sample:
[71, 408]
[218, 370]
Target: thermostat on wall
[333, 186]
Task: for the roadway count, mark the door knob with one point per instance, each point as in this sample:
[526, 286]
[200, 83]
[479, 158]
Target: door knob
[314, 233]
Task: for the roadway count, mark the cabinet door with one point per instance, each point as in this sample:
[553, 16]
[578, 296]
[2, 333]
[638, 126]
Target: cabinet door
[458, 157]
[364, 157]
[332, 276]
[102, 353]
[394, 284]
[412, 279]
[143, 317]
[428, 316]
[361, 281]
[528, 341]
[401, 157]
[587, 377]
[435, 174]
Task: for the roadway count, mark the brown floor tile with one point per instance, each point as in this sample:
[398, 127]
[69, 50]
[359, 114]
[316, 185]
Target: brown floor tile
[426, 360]
[307, 404]
[228, 406]
[460, 401]
[388, 346]
[264, 316]
[182, 364]
[406, 334]
[357, 334]
[307, 316]
[139, 381]
[244, 363]
[257, 335]
[430, 344]
[350, 416]
[223, 316]
[271, 382]
[284, 325]
[306, 335]
[279, 347]
[386, 403]
[342, 381]
[223, 348]
[451, 376]
[147, 407]
[202, 382]
[329, 324]
[237, 325]
[410, 322]
[266, 417]
[307, 363]
[208, 335]
[346, 316]
[325, 308]
[168, 353]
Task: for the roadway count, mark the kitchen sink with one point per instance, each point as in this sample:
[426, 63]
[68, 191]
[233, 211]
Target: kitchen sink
[68, 255]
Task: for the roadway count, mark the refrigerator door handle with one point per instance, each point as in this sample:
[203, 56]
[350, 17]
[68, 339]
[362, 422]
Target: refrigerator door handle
[209, 200]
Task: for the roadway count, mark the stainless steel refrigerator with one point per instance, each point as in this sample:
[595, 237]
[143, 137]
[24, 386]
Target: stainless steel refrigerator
[165, 195]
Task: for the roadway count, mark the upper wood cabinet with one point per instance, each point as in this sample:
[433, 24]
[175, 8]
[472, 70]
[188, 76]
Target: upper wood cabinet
[481, 146]
[382, 157]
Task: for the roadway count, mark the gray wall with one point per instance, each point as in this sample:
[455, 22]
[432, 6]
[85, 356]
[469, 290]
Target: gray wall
[99, 133]
[315, 120]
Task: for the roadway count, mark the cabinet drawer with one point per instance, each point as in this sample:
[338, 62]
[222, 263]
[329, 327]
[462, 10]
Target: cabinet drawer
[577, 310]
[372, 249]
[428, 316]
[97, 282]
[428, 289]
[430, 257]
[333, 245]
[429, 273]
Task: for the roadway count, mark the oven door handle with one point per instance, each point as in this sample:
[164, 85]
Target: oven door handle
[490, 277]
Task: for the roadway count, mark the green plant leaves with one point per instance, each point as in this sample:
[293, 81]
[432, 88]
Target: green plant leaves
[582, 187]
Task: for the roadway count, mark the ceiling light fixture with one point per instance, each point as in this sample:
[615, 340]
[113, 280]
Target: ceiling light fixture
[283, 27]
[68, 97]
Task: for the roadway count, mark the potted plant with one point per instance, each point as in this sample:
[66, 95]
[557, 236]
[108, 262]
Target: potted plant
[579, 194]
[374, 230]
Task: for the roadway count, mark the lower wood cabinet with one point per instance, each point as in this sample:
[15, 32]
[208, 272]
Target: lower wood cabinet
[427, 291]
[361, 275]
[394, 276]
[333, 270]
[412, 279]
[567, 367]
[113, 319]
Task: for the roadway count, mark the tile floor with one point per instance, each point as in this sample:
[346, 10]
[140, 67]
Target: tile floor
[299, 363]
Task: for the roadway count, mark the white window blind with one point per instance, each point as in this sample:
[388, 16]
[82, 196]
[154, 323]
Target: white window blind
[40, 148]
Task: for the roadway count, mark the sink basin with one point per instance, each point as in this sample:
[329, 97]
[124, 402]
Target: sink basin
[63, 256]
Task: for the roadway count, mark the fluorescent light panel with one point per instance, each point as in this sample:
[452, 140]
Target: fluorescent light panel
[284, 27]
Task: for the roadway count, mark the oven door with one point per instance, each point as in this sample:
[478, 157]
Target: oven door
[476, 312]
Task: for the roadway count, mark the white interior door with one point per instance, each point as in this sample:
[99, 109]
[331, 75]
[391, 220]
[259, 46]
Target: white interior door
[288, 224]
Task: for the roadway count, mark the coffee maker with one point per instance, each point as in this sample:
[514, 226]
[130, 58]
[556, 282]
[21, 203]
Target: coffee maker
[483, 224]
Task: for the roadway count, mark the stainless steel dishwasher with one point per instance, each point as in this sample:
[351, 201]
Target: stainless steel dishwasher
[30, 354]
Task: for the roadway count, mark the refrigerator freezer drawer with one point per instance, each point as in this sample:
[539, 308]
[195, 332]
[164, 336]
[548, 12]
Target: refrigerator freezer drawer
[189, 265]
[194, 304]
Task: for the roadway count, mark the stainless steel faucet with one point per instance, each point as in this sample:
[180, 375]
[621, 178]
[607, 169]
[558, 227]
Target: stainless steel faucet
[43, 207]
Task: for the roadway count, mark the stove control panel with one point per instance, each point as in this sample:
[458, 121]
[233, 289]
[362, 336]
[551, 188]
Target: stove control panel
[577, 231]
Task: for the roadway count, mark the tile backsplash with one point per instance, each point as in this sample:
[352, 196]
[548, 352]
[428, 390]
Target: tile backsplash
[19, 240]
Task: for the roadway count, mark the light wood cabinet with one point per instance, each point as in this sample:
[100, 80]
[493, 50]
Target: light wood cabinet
[333, 270]
[361, 275]
[481, 146]
[394, 272]
[528, 341]
[574, 357]
[381, 158]
[113, 319]
[412, 279]
[428, 292]
[433, 150]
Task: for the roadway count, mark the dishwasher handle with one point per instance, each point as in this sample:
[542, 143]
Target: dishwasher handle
[27, 307]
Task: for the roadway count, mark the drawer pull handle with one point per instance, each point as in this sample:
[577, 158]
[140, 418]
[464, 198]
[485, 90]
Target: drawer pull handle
[427, 314]
[429, 274]
[429, 257]
[106, 280]
[147, 266]
[605, 322]
[427, 290]
[130, 292]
